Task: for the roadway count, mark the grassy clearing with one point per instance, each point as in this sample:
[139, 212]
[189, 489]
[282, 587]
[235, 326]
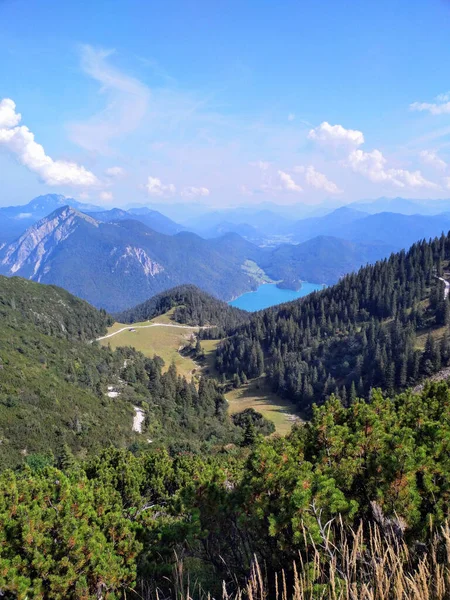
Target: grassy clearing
[257, 394]
[165, 318]
[436, 333]
[209, 366]
[163, 341]
[252, 269]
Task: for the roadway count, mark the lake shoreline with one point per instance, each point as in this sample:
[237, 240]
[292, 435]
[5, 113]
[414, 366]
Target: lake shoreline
[269, 294]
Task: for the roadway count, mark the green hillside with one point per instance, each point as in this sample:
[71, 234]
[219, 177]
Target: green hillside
[59, 389]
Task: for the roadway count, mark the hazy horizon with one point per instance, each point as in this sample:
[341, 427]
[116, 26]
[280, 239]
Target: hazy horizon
[199, 206]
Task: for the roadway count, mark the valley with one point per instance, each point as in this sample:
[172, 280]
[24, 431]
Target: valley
[188, 419]
[174, 344]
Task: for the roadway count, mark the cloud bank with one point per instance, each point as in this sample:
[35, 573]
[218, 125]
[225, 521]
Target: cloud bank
[115, 172]
[287, 183]
[373, 166]
[429, 157]
[194, 192]
[155, 187]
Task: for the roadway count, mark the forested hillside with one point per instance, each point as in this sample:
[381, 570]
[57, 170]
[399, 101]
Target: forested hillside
[51, 309]
[192, 307]
[151, 218]
[58, 390]
[323, 259]
[359, 334]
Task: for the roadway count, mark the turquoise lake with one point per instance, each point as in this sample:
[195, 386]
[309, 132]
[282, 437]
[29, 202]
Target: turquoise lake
[269, 295]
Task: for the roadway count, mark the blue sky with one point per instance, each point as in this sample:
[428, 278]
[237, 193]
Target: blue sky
[225, 102]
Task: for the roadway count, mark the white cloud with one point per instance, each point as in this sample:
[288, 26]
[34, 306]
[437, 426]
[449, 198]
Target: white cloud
[318, 180]
[155, 187]
[373, 166]
[291, 117]
[429, 157]
[115, 172]
[441, 106]
[287, 183]
[19, 140]
[447, 182]
[126, 106]
[260, 164]
[193, 192]
[336, 136]
[434, 109]
[8, 116]
[106, 196]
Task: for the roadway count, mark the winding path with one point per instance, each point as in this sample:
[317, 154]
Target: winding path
[447, 287]
[129, 327]
[138, 419]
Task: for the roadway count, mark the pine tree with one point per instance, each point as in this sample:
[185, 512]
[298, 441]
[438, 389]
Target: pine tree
[66, 459]
[353, 395]
[250, 434]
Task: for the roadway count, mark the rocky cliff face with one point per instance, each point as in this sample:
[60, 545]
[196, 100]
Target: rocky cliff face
[133, 257]
[31, 251]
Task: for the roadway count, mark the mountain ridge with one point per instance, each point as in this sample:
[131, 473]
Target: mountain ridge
[116, 265]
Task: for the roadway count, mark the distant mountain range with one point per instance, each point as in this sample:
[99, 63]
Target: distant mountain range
[249, 232]
[152, 218]
[43, 205]
[254, 223]
[330, 224]
[386, 228]
[15, 220]
[117, 258]
[187, 213]
[118, 264]
[403, 206]
[400, 231]
[323, 259]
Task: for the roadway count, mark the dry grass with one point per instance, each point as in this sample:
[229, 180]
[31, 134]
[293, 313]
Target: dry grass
[366, 564]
